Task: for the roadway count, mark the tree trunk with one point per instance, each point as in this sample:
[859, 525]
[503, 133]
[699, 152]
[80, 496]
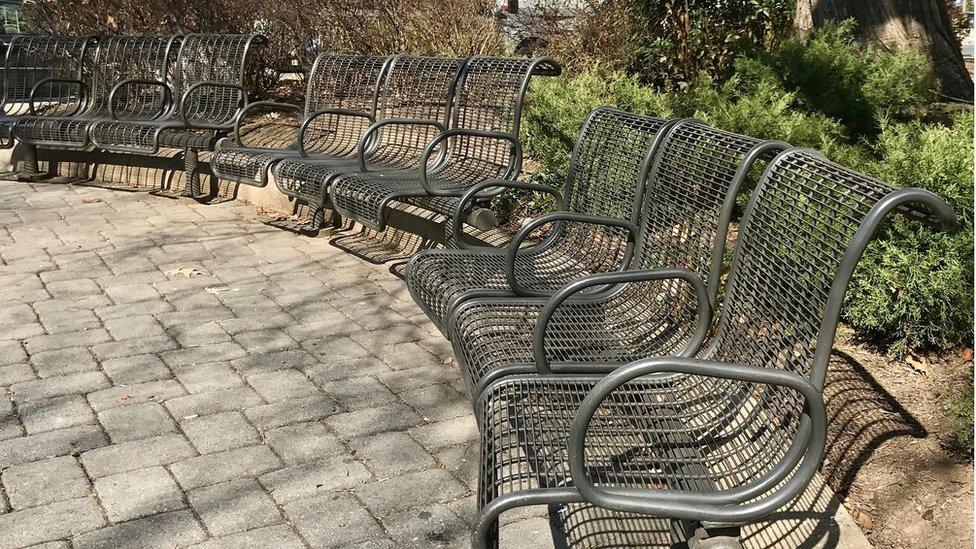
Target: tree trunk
[922, 25]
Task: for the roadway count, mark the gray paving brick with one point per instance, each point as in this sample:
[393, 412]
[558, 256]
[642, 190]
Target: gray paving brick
[463, 461]
[309, 479]
[433, 526]
[43, 482]
[136, 369]
[299, 410]
[123, 310]
[41, 389]
[348, 524]
[132, 293]
[139, 493]
[391, 454]
[52, 443]
[12, 352]
[132, 347]
[86, 338]
[179, 358]
[255, 323]
[220, 467]
[69, 320]
[63, 361]
[211, 402]
[56, 413]
[199, 334]
[373, 420]
[282, 385]
[137, 454]
[279, 537]
[50, 522]
[446, 433]
[356, 393]
[136, 422]
[15, 373]
[267, 362]
[437, 402]
[234, 506]
[213, 376]
[134, 327]
[174, 529]
[304, 442]
[78, 287]
[21, 331]
[265, 341]
[15, 314]
[219, 432]
[137, 393]
[385, 497]
[406, 380]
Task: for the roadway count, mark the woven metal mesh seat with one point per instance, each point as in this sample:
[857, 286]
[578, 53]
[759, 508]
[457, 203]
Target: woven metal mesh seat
[53, 65]
[725, 438]
[412, 107]
[481, 143]
[118, 58]
[339, 107]
[605, 180]
[686, 208]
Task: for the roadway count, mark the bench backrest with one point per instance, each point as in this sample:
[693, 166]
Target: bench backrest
[212, 58]
[32, 59]
[121, 58]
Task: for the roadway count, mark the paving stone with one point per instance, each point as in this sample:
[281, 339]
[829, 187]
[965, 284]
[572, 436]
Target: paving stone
[137, 393]
[136, 422]
[234, 506]
[134, 327]
[19, 313]
[219, 432]
[138, 493]
[406, 380]
[50, 522]
[134, 346]
[385, 497]
[268, 362]
[391, 454]
[45, 481]
[15, 373]
[463, 461]
[87, 338]
[309, 479]
[373, 420]
[405, 355]
[279, 537]
[282, 385]
[131, 293]
[299, 410]
[56, 413]
[21, 331]
[138, 454]
[348, 523]
[133, 309]
[434, 526]
[446, 433]
[437, 402]
[356, 393]
[174, 529]
[256, 323]
[189, 356]
[136, 369]
[199, 334]
[304, 442]
[12, 352]
[63, 361]
[41, 389]
[78, 287]
[213, 376]
[211, 402]
[52, 443]
[220, 467]
[72, 320]
[265, 341]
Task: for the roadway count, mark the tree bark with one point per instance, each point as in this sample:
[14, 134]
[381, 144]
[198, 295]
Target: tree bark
[921, 25]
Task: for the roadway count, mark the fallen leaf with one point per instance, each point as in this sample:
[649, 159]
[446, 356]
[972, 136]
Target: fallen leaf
[966, 353]
[183, 271]
[91, 200]
[918, 363]
[218, 289]
[447, 359]
[127, 396]
[864, 520]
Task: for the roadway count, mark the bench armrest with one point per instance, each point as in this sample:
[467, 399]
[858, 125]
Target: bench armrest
[514, 247]
[83, 94]
[620, 279]
[167, 94]
[221, 125]
[737, 505]
[370, 136]
[242, 114]
[457, 220]
[440, 142]
[306, 124]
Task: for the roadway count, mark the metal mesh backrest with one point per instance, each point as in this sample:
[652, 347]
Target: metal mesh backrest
[803, 217]
[211, 58]
[341, 82]
[128, 57]
[31, 59]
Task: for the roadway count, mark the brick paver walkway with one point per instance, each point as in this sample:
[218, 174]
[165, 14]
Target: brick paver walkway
[174, 373]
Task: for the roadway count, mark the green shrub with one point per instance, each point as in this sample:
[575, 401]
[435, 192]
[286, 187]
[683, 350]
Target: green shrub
[960, 409]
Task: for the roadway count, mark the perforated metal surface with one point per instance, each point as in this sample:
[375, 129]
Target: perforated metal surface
[117, 58]
[605, 179]
[488, 98]
[694, 432]
[681, 212]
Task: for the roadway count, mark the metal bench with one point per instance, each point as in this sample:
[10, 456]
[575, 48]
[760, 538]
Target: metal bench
[687, 206]
[725, 438]
[117, 59]
[412, 108]
[481, 143]
[51, 64]
[199, 105]
[340, 100]
[593, 228]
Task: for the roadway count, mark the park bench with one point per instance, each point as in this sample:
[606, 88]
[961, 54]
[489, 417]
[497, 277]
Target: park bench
[117, 59]
[51, 64]
[412, 108]
[686, 209]
[732, 431]
[593, 228]
[340, 100]
[199, 105]
[480, 143]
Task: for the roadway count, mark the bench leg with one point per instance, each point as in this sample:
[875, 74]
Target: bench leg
[31, 170]
[191, 163]
[724, 537]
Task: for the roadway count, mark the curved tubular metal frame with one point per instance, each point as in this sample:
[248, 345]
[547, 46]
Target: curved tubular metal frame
[167, 95]
[211, 126]
[83, 90]
[371, 135]
[515, 162]
[457, 220]
[259, 105]
[303, 130]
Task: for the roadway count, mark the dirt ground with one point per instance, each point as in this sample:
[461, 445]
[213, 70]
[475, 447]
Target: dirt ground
[890, 453]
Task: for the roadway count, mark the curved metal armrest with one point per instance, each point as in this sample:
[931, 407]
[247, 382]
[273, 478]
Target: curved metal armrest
[258, 105]
[323, 112]
[167, 94]
[457, 219]
[208, 126]
[515, 161]
[612, 279]
[369, 136]
[82, 93]
[724, 506]
[559, 217]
